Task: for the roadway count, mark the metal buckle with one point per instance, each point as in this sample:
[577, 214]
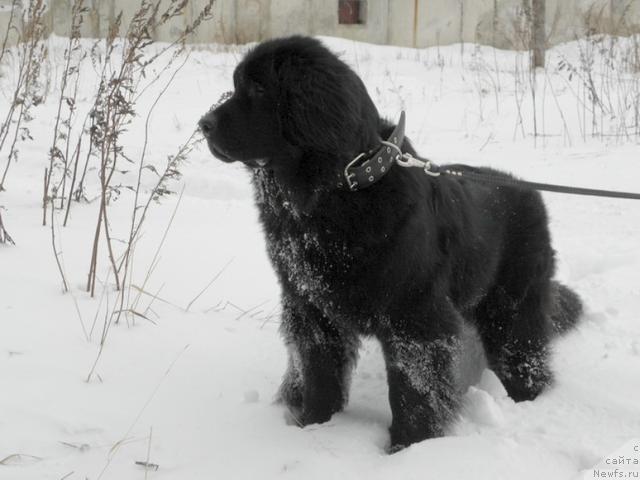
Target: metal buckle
[352, 185]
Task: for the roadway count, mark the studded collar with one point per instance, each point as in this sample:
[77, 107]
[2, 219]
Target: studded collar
[369, 167]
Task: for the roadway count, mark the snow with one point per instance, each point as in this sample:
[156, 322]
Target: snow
[203, 378]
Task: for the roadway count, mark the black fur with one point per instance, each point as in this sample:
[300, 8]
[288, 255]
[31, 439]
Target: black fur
[407, 260]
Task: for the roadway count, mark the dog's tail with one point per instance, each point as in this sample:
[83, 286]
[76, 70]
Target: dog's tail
[567, 308]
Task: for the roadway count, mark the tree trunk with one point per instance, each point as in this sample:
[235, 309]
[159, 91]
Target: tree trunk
[538, 33]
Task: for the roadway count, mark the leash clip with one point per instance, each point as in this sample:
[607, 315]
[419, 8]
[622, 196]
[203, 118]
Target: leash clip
[407, 160]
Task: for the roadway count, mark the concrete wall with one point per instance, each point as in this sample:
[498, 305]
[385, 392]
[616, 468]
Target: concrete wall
[419, 23]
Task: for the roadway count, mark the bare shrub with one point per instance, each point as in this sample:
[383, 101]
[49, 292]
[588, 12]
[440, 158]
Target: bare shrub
[59, 162]
[114, 106]
[27, 94]
[606, 85]
[114, 109]
[11, 26]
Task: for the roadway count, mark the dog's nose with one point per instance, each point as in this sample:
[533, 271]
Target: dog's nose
[207, 124]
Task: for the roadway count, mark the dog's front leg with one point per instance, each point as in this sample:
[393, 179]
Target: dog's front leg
[420, 353]
[321, 358]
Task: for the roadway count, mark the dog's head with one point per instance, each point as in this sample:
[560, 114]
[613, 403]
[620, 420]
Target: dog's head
[292, 98]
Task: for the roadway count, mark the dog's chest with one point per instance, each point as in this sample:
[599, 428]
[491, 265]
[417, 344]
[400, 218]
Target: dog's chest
[322, 268]
[317, 256]
[317, 265]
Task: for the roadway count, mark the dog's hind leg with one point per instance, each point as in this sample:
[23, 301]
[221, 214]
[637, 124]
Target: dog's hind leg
[421, 350]
[516, 330]
[567, 308]
[321, 359]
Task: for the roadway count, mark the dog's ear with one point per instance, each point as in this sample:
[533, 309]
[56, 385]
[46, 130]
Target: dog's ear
[324, 106]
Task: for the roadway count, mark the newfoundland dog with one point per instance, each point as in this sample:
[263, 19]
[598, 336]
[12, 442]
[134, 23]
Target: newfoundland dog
[392, 253]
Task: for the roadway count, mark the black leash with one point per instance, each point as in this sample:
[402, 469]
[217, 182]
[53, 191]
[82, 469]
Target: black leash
[489, 179]
[546, 187]
[367, 168]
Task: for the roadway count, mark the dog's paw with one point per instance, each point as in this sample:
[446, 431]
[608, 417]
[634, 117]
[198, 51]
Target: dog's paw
[290, 393]
[293, 416]
[297, 416]
[394, 448]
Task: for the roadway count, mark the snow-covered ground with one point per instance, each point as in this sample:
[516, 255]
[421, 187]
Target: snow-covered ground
[192, 390]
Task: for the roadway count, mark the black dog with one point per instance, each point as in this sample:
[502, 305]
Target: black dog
[407, 259]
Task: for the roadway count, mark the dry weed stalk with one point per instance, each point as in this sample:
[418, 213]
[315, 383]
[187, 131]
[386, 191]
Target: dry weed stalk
[115, 104]
[13, 9]
[4, 235]
[123, 441]
[112, 111]
[605, 82]
[56, 254]
[161, 189]
[58, 158]
[59, 154]
[27, 94]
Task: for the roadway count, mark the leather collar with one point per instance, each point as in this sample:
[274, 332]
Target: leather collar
[369, 167]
